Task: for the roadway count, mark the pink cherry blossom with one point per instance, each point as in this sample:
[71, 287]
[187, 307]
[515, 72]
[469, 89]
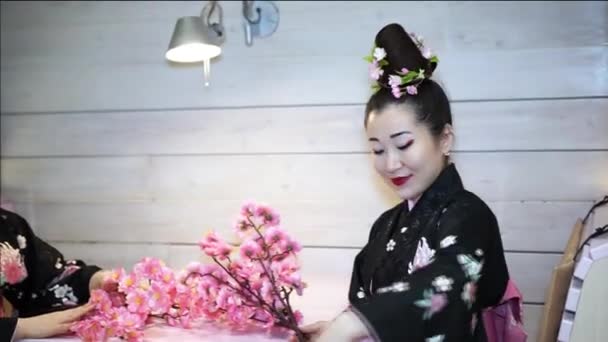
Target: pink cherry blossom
[117, 299]
[427, 53]
[234, 292]
[126, 283]
[149, 289]
[242, 227]
[129, 321]
[267, 270]
[197, 267]
[379, 53]
[246, 268]
[116, 275]
[167, 276]
[396, 92]
[438, 302]
[12, 267]
[299, 316]
[287, 274]
[424, 256]
[149, 267]
[212, 269]
[251, 249]
[275, 235]
[394, 81]
[263, 318]
[290, 245]
[248, 209]
[101, 300]
[91, 330]
[295, 281]
[184, 321]
[375, 71]
[412, 90]
[137, 301]
[14, 271]
[269, 217]
[134, 336]
[213, 246]
[226, 297]
[159, 299]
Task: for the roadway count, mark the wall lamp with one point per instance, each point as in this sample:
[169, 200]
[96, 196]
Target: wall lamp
[198, 39]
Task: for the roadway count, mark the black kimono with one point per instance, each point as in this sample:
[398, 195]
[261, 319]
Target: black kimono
[34, 277]
[426, 274]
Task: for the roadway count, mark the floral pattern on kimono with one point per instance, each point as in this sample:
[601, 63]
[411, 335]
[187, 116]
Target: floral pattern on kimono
[34, 276]
[447, 254]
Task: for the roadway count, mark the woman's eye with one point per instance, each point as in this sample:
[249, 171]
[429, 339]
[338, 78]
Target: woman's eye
[377, 151]
[408, 144]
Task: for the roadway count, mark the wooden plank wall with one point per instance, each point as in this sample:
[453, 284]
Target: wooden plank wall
[112, 153]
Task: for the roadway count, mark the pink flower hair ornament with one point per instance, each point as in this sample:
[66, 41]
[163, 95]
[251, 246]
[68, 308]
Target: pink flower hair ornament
[402, 81]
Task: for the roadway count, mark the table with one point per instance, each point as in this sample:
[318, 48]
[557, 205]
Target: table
[204, 332]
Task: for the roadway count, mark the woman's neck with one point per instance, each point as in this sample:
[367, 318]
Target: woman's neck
[412, 202]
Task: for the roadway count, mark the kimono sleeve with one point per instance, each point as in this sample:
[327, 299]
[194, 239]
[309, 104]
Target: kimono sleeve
[356, 282]
[7, 328]
[49, 282]
[438, 299]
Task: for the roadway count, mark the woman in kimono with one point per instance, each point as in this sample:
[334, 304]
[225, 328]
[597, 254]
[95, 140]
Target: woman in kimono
[436, 259]
[45, 289]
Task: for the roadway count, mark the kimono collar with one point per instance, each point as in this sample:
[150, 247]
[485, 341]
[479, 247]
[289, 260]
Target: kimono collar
[380, 265]
[445, 185]
[412, 203]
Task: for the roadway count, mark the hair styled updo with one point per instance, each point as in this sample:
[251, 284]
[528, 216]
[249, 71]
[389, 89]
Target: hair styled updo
[430, 104]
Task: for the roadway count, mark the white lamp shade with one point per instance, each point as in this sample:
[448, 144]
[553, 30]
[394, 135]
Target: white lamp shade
[193, 41]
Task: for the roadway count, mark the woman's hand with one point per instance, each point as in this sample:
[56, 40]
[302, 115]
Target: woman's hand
[102, 280]
[312, 331]
[51, 324]
[346, 327]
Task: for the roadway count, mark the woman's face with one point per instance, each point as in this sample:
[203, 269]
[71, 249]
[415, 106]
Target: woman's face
[407, 156]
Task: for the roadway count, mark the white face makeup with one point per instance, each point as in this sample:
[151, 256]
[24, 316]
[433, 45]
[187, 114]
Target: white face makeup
[407, 156]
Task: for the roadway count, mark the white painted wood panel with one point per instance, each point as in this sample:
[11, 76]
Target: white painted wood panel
[97, 179]
[298, 80]
[508, 25]
[525, 226]
[485, 126]
[109, 60]
[539, 25]
[500, 176]
[600, 216]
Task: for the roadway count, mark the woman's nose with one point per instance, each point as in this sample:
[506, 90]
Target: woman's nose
[393, 162]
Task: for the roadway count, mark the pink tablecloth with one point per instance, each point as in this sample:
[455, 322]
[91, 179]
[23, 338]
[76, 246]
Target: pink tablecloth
[205, 332]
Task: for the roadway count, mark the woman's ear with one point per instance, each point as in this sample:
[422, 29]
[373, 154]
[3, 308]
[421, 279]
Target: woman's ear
[447, 139]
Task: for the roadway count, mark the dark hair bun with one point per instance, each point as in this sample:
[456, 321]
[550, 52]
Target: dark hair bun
[402, 51]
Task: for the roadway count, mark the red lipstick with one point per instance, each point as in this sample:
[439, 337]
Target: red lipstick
[399, 181]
